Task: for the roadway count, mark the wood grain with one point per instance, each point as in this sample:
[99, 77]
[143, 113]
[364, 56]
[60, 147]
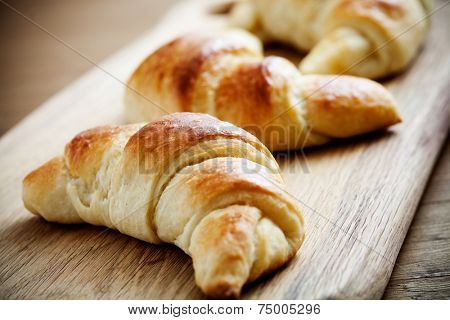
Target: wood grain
[359, 196]
[422, 269]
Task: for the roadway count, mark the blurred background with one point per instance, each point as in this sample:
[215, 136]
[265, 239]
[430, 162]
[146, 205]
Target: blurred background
[34, 66]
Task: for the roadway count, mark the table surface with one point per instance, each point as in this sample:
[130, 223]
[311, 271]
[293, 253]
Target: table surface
[36, 62]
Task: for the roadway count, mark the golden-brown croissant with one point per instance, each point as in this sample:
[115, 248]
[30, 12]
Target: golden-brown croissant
[369, 38]
[189, 179]
[226, 75]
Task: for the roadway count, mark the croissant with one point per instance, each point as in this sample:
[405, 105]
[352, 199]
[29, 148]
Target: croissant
[189, 179]
[226, 75]
[368, 38]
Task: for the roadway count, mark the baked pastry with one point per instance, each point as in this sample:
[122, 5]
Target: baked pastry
[189, 179]
[226, 75]
[368, 38]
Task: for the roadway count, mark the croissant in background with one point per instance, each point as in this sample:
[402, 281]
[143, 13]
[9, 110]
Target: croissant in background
[189, 179]
[368, 38]
[226, 75]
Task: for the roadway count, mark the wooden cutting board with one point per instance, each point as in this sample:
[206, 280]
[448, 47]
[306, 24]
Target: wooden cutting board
[358, 196]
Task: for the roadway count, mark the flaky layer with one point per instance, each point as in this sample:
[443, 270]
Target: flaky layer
[189, 179]
[226, 75]
[369, 38]
[237, 222]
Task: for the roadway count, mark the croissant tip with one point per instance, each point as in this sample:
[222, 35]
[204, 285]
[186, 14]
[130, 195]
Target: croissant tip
[223, 290]
[396, 118]
[309, 68]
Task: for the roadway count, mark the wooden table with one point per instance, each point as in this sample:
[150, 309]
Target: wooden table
[423, 266]
[35, 65]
